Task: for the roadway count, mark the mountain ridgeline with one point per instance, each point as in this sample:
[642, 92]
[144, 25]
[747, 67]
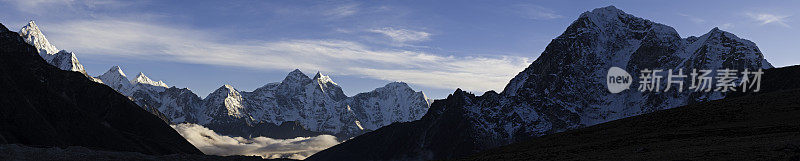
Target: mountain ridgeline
[743, 126]
[44, 105]
[62, 59]
[296, 106]
[563, 89]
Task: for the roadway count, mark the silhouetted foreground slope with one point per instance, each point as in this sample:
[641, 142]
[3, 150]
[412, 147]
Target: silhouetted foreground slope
[43, 105]
[20, 152]
[743, 127]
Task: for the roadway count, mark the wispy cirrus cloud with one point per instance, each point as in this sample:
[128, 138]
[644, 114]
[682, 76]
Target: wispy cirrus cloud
[726, 26]
[536, 12]
[326, 10]
[32, 5]
[41, 7]
[692, 18]
[342, 10]
[402, 35]
[765, 18]
[155, 41]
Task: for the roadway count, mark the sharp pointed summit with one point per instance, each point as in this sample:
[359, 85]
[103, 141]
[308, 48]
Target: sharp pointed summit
[605, 11]
[224, 91]
[296, 76]
[141, 78]
[67, 61]
[60, 58]
[398, 85]
[50, 107]
[225, 103]
[229, 87]
[323, 79]
[116, 70]
[34, 36]
[717, 48]
[318, 75]
[326, 85]
[116, 79]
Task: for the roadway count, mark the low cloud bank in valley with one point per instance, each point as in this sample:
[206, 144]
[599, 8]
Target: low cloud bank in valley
[212, 143]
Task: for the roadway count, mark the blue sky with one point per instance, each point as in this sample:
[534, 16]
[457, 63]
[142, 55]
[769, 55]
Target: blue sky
[435, 46]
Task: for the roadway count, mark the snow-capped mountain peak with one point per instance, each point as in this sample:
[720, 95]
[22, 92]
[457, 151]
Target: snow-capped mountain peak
[326, 85]
[564, 88]
[115, 70]
[296, 76]
[60, 58]
[141, 78]
[604, 11]
[294, 83]
[609, 37]
[715, 49]
[323, 79]
[229, 87]
[604, 16]
[67, 61]
[317, 104]
[116, 79]
[404, 104]
[35, 37]
[225, 101]
[397, 85]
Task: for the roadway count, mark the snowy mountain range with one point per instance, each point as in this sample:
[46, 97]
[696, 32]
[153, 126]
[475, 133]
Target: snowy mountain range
[563, 89]
[316, 104]
[296, 106]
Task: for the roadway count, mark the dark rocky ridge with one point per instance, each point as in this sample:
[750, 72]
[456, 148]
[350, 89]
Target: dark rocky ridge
[43, 105]
[755, 126]
[24, 153]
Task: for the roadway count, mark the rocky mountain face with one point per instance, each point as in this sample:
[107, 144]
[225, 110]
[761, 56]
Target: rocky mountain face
[296, 106]
[169, 104]
[563, 89]
[62, 59]
[765, 123]
[43, 105]
[383, 106]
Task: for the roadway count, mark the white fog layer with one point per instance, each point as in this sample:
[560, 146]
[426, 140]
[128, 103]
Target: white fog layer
[212, 143]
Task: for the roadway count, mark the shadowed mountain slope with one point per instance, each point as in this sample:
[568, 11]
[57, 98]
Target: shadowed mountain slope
[759, 126]
[43, 105]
